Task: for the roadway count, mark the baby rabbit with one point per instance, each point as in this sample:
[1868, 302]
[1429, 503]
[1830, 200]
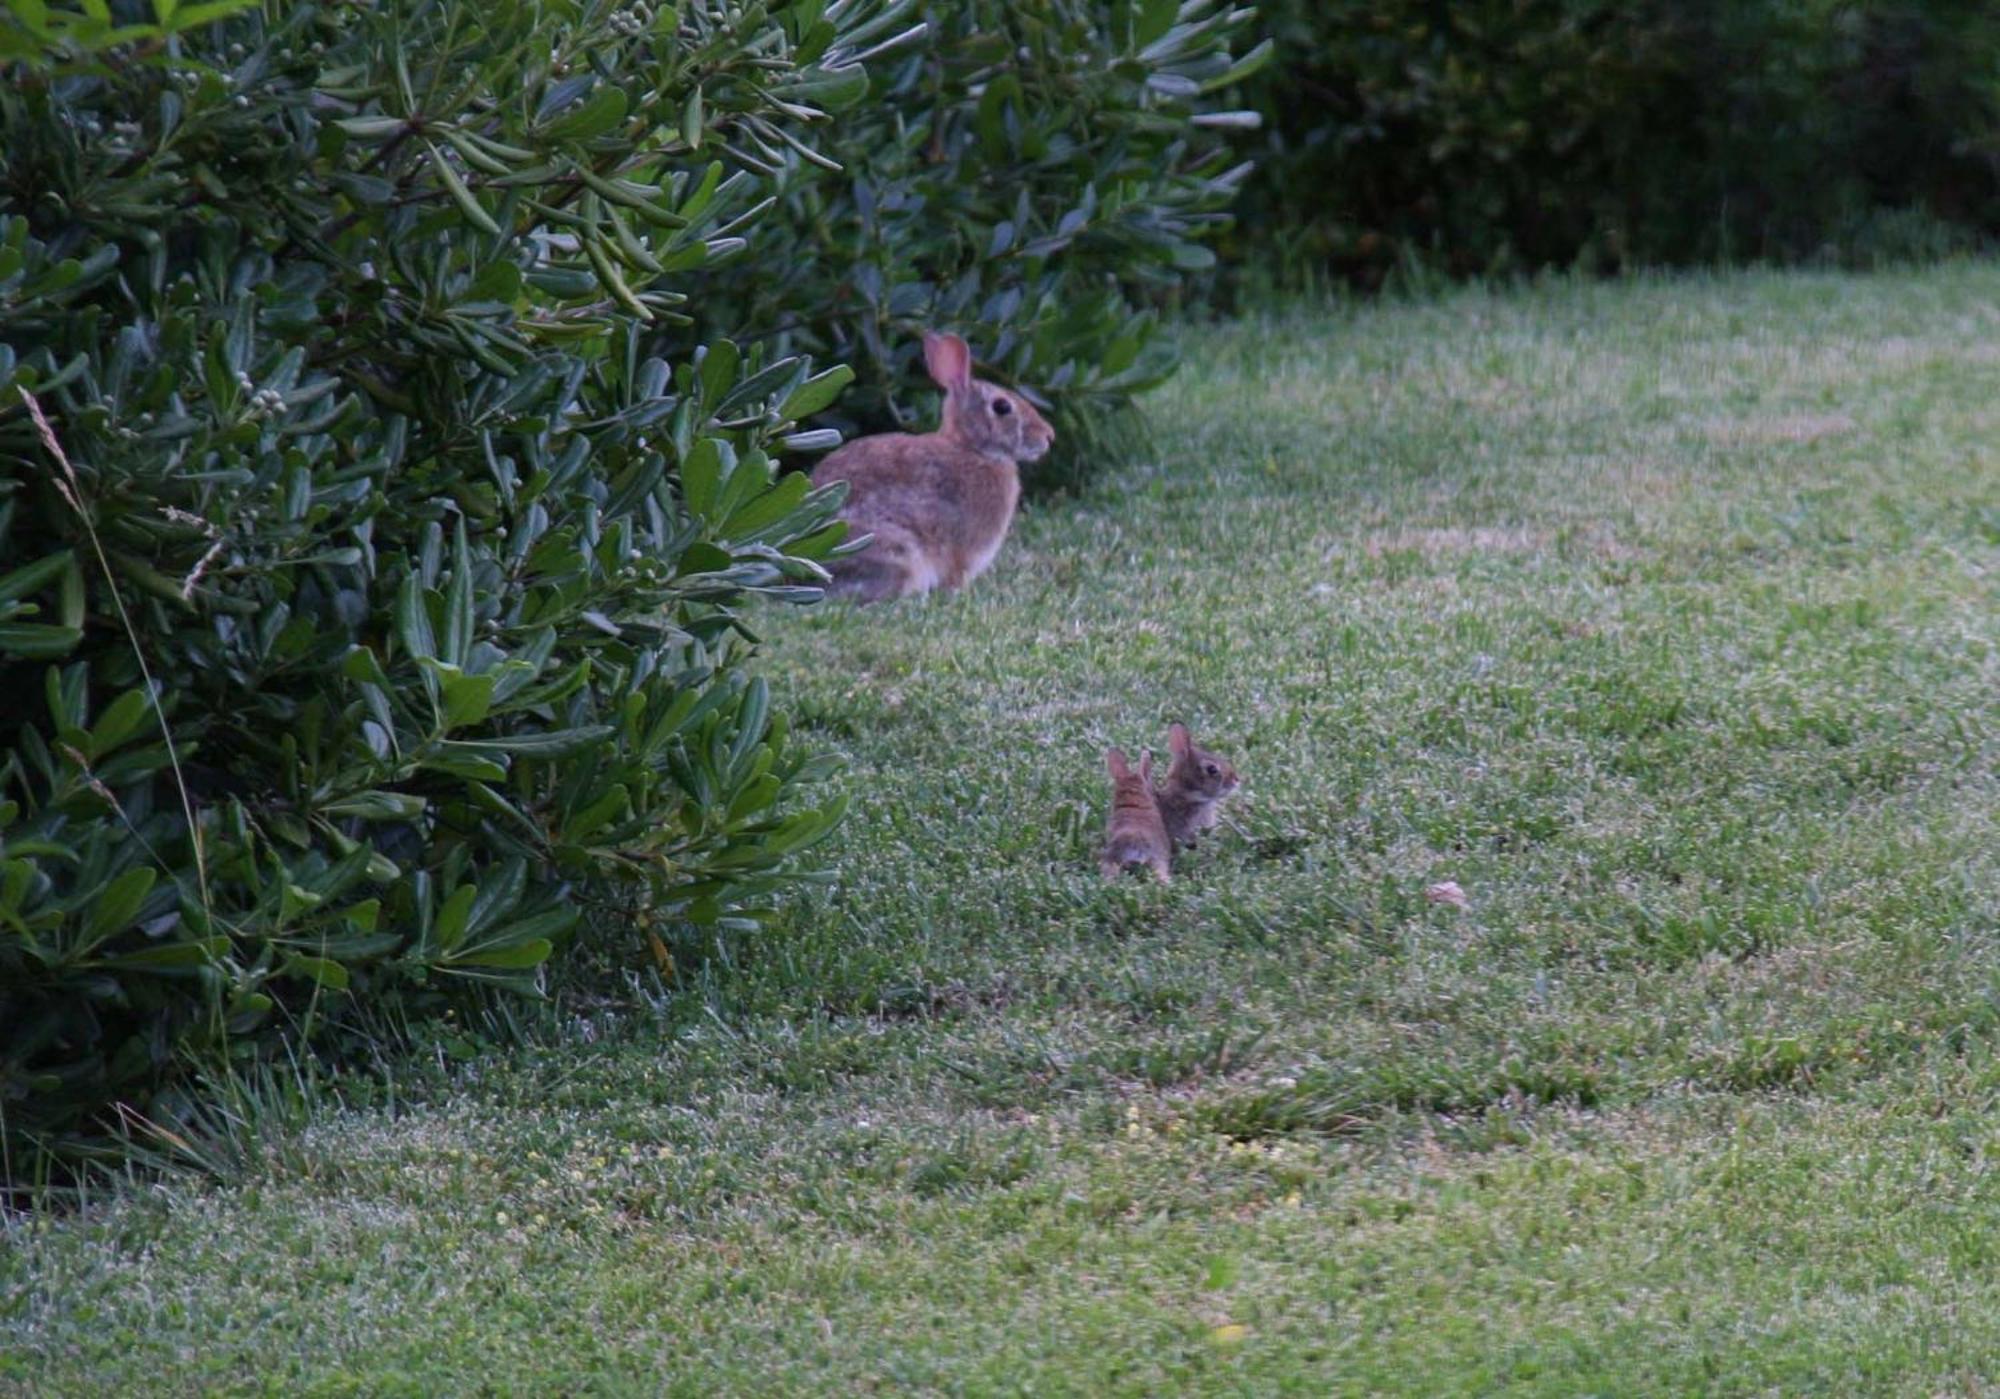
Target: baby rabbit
[1197, 781]
[1136, 835]
[938, 504]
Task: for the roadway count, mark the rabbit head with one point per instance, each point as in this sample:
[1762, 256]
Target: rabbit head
[985, 417]
[1197, 772]
[1197, 781]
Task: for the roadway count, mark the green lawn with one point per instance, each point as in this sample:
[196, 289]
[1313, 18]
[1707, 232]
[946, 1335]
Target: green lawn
[1661, 617]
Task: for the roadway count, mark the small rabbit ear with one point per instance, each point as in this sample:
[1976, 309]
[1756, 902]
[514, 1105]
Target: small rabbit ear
[1178, 741]
[1146, 765]
[948, 360]
[1115, 761]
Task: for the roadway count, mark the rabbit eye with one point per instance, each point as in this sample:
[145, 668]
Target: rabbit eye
[1213, 770]
[1002, 407]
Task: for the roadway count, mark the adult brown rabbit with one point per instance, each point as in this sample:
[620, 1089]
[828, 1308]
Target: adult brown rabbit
[937, 503]
[1135, 835]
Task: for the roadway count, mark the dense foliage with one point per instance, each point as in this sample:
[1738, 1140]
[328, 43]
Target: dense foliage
[1506, 134]
[1038, 177]
[368, 604]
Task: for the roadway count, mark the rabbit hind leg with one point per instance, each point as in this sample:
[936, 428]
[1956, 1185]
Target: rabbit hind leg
[868, 577]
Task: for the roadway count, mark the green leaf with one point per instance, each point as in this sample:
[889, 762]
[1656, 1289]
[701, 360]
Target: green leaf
[471, 766]
[987, 116]
[604, 109]
[478, 156]
[755, 797]
[549, 923]
[498, 892]
[71, 609]
[816, 393]
[196, 952]
[36, 641]
[114, 909]
[1155, 18]
[33, 577]
[120, 721]
[324, 970]
[67, 691]
[467, 698]
[806, 828]
[553, 744]
[1247, 66]
[375, 805]
[698, 200]
[783, 373]
[626, 194]
[610, 278]
[295, 900]
[194, 16]
[702, 475]
[719, 367]
[704, 557]
[369, 190]
[769, 508]
[525, 954]
[750, 719]
[352, 947]
[609, 807]
[836, 89]
[691, 123]
[361, 664]
[460, 195]
[454, 917]
[413, 620]
[376, 128]
[458, 614]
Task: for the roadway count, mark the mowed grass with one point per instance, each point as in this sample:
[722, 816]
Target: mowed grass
[1660, 617]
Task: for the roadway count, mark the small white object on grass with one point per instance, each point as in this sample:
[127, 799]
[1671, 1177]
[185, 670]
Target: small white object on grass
[1447, 892]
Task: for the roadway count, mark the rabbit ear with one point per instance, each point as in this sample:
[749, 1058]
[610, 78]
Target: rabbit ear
[1115, 761]
[1146, 765]
[948, 360]
[1178, 741]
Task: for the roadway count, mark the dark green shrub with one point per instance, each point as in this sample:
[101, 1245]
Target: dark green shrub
[1498, 135]
[1039, 177]
[372, 602]
[1851, 131]
[1488, 133]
